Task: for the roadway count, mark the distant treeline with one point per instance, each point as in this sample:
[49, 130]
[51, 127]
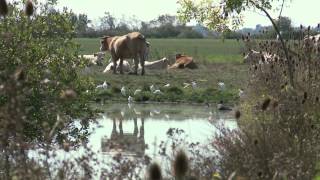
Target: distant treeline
[168, 26]
[165, 26]
[287, 30]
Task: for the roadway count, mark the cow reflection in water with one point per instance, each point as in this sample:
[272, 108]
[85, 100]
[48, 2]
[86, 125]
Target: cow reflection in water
[130, 144]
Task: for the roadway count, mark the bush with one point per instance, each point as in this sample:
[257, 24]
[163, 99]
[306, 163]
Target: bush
[41, 92]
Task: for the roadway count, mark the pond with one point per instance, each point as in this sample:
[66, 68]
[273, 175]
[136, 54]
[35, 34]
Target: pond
[138, 130]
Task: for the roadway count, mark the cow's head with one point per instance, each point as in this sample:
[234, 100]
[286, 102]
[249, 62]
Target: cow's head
[105, 43]
[178, 55]
[100, 57]
[165, 60]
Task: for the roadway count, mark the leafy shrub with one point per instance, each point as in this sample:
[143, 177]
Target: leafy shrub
[38, 78]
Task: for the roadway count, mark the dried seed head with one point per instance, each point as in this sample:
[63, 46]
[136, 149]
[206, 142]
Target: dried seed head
[312, 126]
[3, 8]
[180, 164]
[305, 95]
[265, 104]
[19, 74]
[155, 172]
[237, 114]
[29, 8]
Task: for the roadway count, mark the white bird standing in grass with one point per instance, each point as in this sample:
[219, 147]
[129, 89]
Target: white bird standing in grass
[221, 85]
[103, 86]
[152, 88]
[130, 99]
[241, 92]
[157, 91]
[123, 91]
[167, 85]
[137, 91]
[194, 84]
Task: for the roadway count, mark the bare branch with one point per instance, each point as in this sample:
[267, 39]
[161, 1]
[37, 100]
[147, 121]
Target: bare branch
[281, 9]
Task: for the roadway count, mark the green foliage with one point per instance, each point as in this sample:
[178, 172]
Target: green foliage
[217, 15]
[40, 49]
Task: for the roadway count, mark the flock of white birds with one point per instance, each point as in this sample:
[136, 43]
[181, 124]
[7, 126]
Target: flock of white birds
[154, 90]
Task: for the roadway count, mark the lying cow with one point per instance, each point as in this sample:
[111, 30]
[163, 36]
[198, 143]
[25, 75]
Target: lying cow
[158, 64]
[183, 61]
[255, 57]
[125, 67]
[95, 59]
[312, 42]
[130, 46]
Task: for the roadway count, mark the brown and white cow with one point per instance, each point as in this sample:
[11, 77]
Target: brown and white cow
[255, 57]
[130, 46]
[183, 61]
[312, 42]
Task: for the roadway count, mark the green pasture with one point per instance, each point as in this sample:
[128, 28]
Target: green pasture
[209, 50]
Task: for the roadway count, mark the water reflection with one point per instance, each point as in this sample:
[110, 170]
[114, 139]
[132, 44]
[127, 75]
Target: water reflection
[138, 133]
[137, 130]
[125, 143]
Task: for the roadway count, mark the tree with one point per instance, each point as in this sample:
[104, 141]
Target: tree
[108, 21]
[284, 24]
[82, 23]
[227, 14]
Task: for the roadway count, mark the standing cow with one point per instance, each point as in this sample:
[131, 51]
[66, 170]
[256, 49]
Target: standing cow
[130, 46]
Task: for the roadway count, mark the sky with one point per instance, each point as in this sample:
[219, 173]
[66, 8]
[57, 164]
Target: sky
[305, 12]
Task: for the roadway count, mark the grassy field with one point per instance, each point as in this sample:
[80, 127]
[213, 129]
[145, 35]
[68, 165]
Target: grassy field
[217, 61]
[212, 50]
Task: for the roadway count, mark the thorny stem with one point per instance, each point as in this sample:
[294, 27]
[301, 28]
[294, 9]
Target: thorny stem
[281, 40]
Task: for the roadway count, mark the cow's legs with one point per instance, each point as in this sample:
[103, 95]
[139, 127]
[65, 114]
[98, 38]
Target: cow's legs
[142, 59]
[114, 59]
[121, 66]
[136, 64]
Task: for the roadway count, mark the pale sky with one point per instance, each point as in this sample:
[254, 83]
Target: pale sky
[306, 12]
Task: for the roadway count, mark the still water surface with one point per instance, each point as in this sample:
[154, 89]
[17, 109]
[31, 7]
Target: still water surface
[137, 130]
